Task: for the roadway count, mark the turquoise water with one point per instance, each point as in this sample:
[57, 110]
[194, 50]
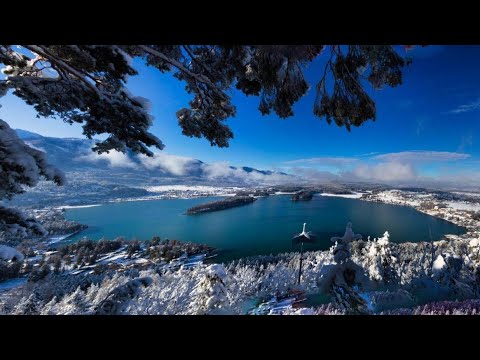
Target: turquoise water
[264, 227]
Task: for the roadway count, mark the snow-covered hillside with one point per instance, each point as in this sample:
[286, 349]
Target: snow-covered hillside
[75, 155]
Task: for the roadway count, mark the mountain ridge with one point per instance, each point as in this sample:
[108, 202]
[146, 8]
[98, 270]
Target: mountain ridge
[75, 154]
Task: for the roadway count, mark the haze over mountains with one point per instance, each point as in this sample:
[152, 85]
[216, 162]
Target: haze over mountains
[81, 165]
[74, 155]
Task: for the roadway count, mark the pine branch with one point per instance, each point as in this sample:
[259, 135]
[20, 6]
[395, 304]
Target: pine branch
[200, 77]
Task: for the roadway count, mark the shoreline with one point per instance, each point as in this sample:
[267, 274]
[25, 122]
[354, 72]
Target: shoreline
[456, 216]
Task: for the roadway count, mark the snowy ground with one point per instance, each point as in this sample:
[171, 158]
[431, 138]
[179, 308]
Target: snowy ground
[400, 197]
[76, 206]
[460, 205]
[466, 193]
[57, 238]
[347, 196]
[204, 189]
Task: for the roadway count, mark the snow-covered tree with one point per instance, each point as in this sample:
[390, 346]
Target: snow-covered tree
[30, 305]
[20, 165]
[379, 259]
[211, 292]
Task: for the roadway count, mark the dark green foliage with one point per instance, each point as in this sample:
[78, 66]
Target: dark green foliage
[94, 247]
[57, 263]
[348, 104]
[132, 248]
[86, 84]
[303, 195]
[171, 249]
[220, 204]
[9, 270]
[85, 251]
[155, 241]
[39, 273]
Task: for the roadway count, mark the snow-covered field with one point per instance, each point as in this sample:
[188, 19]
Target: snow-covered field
[77, 206]
[347, 196]
[466, 193]
[57, 238]
[459, 205]
[197, 188]
[399, 198]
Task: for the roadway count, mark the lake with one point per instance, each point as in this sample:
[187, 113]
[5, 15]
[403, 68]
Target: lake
[264, 227]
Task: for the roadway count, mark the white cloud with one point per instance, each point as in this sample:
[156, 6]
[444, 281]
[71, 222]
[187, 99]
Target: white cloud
[388, 172]
[324, 160]
[114, 158]
[314, 174]
[223, 171]
[403, 166]
[421, 156]
[400, 167]
[217, 170]
[176, 165]
[368, 154]
[474, 105]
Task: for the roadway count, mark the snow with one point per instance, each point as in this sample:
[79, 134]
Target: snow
[32, 163]
[438, 265]
[466, 193]
[302, 311]
[200, 188]
[347, 196]
[58, 238]
[384, 240]
[459, 205]
[395, 197]
[475, 243]
[216, 270]
[77, 206]
[8, 253]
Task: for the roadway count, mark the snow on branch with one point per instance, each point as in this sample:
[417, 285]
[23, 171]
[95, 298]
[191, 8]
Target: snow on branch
[22, 165]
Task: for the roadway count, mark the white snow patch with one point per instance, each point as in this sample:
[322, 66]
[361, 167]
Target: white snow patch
[459, 205]
[58, 238]
[302, 311]
[347, 196]
[472, 194]
[203, 188]
[77, 206]
[9, 253]
[395, 197]
[438, 265]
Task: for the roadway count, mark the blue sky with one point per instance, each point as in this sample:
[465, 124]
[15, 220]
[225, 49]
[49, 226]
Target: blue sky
[435, 113]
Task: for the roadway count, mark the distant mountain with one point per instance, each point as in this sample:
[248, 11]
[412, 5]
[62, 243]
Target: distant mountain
[75, 155]
[24, 134]
[264, 172]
